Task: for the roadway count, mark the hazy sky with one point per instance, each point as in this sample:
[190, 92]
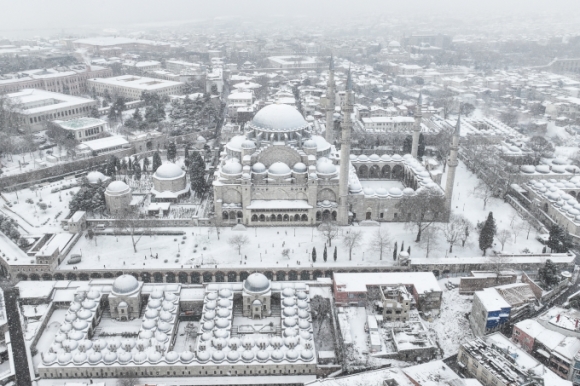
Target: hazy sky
[27, 15]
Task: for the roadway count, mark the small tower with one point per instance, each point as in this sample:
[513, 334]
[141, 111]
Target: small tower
[330, 102]
[417, 126]
[345, 153]
[452, 164]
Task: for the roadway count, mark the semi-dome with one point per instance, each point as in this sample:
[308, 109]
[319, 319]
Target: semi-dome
[299, 168]
[309, 144]
[259, 167]
[125, 284]
[325, 166]
[257, 282]
[117, 187]
[278, 118]
[232, 166]
[279, 168]
[169, 171]
[248, 144]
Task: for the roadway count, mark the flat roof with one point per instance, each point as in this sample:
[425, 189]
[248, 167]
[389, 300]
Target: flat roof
[49, 100]
[137, 82]
[105, 143]
[279, 204]
[80, 123]
[357, 282]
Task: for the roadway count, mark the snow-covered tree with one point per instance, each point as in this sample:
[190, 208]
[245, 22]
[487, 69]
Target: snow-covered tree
[549, 274]
[380, 241]
[352, 240]
[487, 234]
[423, 209]
[156, 161]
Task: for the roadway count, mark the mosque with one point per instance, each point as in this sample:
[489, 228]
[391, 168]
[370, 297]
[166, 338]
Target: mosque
[279, 171]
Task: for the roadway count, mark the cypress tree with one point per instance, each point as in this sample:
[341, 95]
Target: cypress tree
[409, 250]
[395, 252]
[402, 246]
[171, 152]
[335, 256]
[314, 255]
[156, 161]
[325, 254]
[487, 234]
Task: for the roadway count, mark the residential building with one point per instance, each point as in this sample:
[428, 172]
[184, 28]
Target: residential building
[489, 312]
[83, 129]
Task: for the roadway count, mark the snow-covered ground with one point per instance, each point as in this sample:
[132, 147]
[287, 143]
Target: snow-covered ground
[451, 327]
[265, 245]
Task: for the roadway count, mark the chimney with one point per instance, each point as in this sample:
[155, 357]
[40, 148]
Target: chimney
[558, 318]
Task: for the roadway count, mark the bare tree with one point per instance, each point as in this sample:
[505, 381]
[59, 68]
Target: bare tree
[321, 310]
[467, 227]
[352, 240]
[380, 241]
[453, 230]
[128, 381]
[238, 241]
[503, 236]
[517, 229]
[484, 192]
[498, 262]
[329, 230]
[423, 208]
[442, 142]
[429, 239]
[128, 222]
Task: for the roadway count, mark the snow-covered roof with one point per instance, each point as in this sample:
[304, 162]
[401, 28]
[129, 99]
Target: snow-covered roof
[423, 282]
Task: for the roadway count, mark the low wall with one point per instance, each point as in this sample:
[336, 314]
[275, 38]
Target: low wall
[52, 173]
[146, 223]
[469, 285]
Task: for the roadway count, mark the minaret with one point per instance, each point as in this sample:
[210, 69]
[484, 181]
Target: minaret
[452, 164]
[417, 126]
[330, 103]
[346, 128]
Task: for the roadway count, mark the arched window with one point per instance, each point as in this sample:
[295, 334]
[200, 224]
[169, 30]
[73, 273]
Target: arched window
[304, 217]
[254, 217]
[225, 216]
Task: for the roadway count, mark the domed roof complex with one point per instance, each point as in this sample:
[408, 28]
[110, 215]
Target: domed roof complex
[169, 171]
[278, 118]
[125, 284]
[257, 283]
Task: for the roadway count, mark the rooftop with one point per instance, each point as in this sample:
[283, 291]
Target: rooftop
[423, 282]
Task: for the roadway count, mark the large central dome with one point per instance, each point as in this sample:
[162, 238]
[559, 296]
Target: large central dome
[278, 117]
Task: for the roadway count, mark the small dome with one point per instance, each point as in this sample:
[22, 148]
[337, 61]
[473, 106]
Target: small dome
[93, 294]
[395, 192]
[299, 168]
[248, 356]
[248, 144]
[96, 177]
[277, 355]
[353, 157]
[288, 291]
[233, 356]
[89, 304]
[325, 166]
[289, 311]
[110, 358]
[408, 191]
[140, 357]
[309, 144]
[171, 357]
[302, 304]
[258, 167]
[279, 168]
[186, 356]
[222, 323]
[154, 304]
[232, 167]
[80, 324]
[117, 187]
[220, 333]
[125, 357]
[303, 314]
[224, 303]
[363, 158]
[154, 357]
[163, 326]
[304, 324]
[203, 356]
[160, 336]
[165, 316]
[223, 313]
[79, 358]
[306, 355]
[301, 295]
[84, 314]
[48, 358]
[149, 324]
[208, 326]
[125, 284]
[306, 335]
[369, 191]
[385, 157]
[169, 171]
[292, 355]
[225, 293]
[257, 282]
[209, 315]
[156, 294]
[374, 157]
[290, 322]
[288, 302]
[382, 192]
[95, 357]
[64, 358]
[263, 355]
[396, 158]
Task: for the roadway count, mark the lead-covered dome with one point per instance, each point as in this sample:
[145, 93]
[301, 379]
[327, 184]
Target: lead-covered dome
[96, 177]
[117, 187]
[257, 282]
[125, 284]
[278, 118]
[169, 171]
[279, 169]
[232, 167]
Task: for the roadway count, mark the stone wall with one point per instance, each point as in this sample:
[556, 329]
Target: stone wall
[468, 285]
[52, 173]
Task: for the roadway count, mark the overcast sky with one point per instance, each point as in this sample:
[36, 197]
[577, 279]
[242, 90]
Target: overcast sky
[27, 15]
